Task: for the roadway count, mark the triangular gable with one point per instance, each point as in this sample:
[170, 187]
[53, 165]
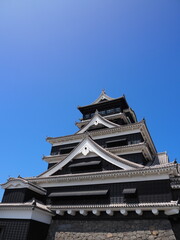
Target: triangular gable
[96, 120]
[86, 147]
[102, 96]
[16, 183]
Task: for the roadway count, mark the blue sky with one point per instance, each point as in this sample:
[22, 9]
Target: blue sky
[56, 55]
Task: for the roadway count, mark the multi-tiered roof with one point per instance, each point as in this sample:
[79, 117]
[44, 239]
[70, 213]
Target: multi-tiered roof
[109, 165]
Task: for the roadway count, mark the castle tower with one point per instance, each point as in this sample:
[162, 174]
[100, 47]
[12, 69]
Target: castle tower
[106, 181]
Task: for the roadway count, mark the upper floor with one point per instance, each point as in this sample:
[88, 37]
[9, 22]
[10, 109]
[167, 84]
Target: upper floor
[109, 107]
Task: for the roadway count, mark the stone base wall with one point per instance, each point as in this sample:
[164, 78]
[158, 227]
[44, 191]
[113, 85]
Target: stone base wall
[111, 230]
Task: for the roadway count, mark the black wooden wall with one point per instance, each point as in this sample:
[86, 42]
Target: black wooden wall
[149, 191]
[20, 195]
[15, 229]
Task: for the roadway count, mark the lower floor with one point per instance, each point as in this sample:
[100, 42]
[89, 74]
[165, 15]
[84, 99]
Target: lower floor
[92, 229]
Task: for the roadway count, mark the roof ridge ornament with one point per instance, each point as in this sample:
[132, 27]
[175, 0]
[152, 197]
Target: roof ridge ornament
[96, 112]
[103, 92]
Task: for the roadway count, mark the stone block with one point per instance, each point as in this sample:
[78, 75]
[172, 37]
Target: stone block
[112, 230]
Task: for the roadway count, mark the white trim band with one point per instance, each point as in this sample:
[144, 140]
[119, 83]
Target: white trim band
[28, 213]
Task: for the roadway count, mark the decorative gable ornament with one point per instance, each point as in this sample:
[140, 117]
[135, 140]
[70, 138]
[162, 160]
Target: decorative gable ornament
[85, 151]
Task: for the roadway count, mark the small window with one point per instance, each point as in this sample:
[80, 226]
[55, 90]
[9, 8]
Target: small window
[103, 113]
[136, 141]
[118, 110]
[86, 116]
[112, 111]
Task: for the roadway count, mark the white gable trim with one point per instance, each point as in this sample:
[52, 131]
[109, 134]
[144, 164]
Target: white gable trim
[74, 182]
[102, 96]
[97, 137]
[88, 146]
[96, 120]
[21, 183]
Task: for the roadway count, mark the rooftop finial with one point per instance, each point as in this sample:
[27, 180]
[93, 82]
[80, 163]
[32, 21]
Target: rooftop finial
[175, 161]
[96, 112]
[102, 96]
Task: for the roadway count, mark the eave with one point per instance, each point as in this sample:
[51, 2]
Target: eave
[27, 211]
[169, 208]
[118, 175]
[98, 134]
[108, 117]
[27, 205]
[144, 206]
[122, 150]
[132, 113]
[88, 146]
[96, 120]
[16, 183]
[96, 105]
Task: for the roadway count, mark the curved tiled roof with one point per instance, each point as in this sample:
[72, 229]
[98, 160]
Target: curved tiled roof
[92, 146]
[95, 120]
[118, 205]
[31, 204]
[16, 182]
[102, 96]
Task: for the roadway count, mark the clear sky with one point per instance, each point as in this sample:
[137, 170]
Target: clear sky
[58, 54]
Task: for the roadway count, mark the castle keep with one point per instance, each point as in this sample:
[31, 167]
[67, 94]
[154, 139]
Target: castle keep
[106, 181]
